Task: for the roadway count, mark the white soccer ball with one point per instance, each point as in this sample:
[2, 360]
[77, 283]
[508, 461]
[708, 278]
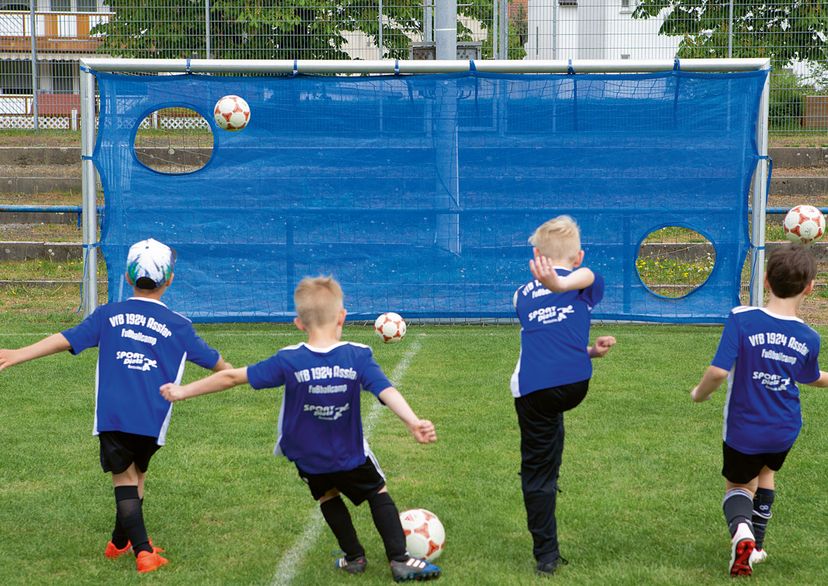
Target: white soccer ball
[425, 536]
[232, 113]
[804, 224]
[390, 327]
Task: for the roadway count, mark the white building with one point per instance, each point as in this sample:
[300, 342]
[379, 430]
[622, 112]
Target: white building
[594, 29]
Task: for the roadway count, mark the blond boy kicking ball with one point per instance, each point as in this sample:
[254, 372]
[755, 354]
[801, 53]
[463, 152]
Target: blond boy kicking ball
[763, 353]
[142, 344]
[320, 427]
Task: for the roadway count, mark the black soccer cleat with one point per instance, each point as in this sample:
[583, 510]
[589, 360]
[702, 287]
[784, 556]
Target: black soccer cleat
[356, 566]
[414, 569]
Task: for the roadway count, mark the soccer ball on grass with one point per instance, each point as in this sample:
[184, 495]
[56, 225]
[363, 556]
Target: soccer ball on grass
[390, 327]
[231, 113]
[804, 224]
[425, 537]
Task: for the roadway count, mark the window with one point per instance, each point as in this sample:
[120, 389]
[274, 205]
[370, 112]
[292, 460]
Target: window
[87, 5]
[61, 5]
[627, 6]
[63, 77]
[15, 77]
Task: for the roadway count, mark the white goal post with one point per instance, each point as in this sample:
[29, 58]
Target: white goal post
[390, 67]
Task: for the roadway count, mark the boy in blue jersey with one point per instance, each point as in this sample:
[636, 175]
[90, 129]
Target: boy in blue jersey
[553, 370]
[320, 427]
[142, 344]
[763, 353]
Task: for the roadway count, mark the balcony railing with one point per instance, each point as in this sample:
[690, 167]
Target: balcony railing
[60, 32]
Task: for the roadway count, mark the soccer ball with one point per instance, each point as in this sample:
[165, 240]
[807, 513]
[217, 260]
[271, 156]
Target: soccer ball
[425, 536]
[804, 224]
[231, 113]
[390, 327]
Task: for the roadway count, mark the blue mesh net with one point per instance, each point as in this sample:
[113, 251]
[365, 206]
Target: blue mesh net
[419, 192]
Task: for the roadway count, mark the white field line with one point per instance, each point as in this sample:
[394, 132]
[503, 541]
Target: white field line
[290, 562]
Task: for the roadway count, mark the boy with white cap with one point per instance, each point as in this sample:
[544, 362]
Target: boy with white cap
[142, 345]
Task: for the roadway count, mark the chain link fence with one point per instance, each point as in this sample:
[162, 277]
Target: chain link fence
[39, 72]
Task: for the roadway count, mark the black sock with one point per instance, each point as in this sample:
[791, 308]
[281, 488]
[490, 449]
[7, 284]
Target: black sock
[120, 539]
[339, 520]
[131, 517]
[762, 502]
[387, 521]
[738, 508]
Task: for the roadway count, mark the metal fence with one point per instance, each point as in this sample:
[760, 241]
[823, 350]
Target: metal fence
[39, 74]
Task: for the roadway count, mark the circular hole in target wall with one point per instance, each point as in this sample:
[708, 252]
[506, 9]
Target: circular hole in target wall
[675, 261]
[174, 140]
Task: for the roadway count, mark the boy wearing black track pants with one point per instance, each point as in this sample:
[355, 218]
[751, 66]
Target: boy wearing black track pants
[553, 370]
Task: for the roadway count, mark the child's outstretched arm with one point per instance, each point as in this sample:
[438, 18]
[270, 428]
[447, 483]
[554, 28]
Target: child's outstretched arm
[711, 380]
[50, 345]
[822, 381]
[422, 429]
[220, 381]
[544, 272]
[222, 364]
[601, 346]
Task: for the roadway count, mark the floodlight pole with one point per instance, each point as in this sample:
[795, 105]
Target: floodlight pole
[760, 201]
[89, 299]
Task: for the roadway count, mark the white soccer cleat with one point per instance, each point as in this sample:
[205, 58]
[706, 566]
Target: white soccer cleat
[758, 556]
[741, 549]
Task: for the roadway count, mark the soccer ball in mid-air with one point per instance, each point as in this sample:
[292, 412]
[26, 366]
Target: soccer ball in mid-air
[232, 113]
[425, 536]
[390, 327]
[804, 224]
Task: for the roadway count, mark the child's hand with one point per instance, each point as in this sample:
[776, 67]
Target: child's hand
[423, 431]
[544, 272]
[696, 396]
[601, 346]
[171, 392]
[7, 358]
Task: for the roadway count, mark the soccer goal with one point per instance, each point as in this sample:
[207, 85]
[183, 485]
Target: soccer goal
[417, 183]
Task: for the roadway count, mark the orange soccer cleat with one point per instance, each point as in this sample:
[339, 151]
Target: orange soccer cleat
[149, 561]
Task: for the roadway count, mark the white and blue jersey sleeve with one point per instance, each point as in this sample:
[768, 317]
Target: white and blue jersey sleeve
[320, 427]
[766, 356]
[142, 345]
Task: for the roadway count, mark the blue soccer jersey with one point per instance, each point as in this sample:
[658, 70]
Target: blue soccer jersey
[141, 345]
[766, 354]
[320, 427]
[554, 335]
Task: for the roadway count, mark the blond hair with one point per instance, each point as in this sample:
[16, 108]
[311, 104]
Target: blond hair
[318, 301]
[558, 239]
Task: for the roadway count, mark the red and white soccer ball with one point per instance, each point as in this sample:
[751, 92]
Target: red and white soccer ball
[390, 327]
[804, 224]
[231, 113]
[425, 536]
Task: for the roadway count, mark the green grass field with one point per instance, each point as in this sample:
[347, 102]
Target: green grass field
[641, 489]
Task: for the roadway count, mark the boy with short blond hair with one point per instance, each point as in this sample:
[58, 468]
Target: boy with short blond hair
[763, 353]
[141, 344]
[553, 372]
[320, 427]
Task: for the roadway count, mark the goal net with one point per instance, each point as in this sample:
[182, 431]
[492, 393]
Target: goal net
[418, 192]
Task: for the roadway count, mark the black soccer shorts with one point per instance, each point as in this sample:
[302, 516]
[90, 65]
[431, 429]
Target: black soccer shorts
[357, 484]
[120, 449]
[741, 468]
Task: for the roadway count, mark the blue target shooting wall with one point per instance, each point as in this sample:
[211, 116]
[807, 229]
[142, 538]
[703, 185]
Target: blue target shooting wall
[419, 192]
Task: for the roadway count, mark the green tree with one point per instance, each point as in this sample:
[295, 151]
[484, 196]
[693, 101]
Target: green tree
[267, 29]
[782, 31]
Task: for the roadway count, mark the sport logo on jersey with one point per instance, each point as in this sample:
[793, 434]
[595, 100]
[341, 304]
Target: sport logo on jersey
[551, 315]
[327, 412]
[136, 360]
[772, 382]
